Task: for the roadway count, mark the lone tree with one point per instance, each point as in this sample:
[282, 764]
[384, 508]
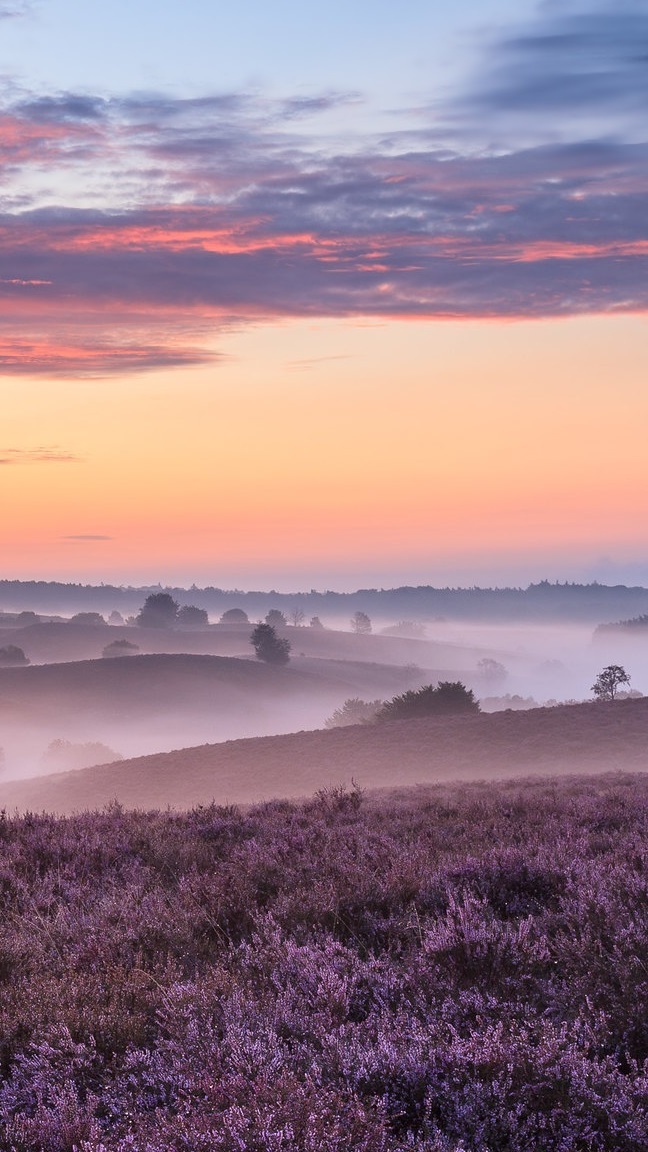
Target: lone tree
[234, 616]
[159, 610]
[276, 618]
[491, 669]
[191, 617]
[449, 698]
[361, 623]
[608, 682]
[268, 646]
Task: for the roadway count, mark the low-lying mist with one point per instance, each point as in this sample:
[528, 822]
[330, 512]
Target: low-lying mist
[185, 688]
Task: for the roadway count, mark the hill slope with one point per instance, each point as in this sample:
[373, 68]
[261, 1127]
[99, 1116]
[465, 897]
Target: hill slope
[579, 738]
[50, 642]
[161, 683]
[148, 703]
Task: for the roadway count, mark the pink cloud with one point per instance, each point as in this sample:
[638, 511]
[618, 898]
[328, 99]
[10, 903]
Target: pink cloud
[230, 215]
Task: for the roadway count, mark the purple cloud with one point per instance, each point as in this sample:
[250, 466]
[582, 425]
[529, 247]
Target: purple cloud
[224, 210]
[584, 63]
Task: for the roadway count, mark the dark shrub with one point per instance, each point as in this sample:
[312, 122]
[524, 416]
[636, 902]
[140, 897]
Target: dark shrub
[120, 648]
[12, 657]
[447, 699]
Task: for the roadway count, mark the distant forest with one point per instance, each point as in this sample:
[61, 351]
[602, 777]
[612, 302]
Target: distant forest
[542, 602]
[638, 624]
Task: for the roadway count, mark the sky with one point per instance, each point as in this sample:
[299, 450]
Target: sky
[323, 296]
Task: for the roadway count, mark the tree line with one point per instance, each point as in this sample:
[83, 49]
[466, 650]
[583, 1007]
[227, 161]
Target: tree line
[544, 600]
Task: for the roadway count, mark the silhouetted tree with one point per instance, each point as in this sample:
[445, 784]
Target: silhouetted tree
[11, 656]
[159, 611]
[449, 698]
[608, 682]
[353, 711]
[316, 623]
[491, 669]
[268, 646]
[120, 648]
[86, 618]
[276, 618]
[361, 623]
[296, 617]
[191, 617]
[234, 616]
[115, 617]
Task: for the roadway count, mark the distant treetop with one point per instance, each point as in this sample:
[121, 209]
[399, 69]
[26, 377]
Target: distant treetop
[191, 617]
[635, 624]
[361, 623]
[160, 610]
[87, 618]
[234, 616]
[120, 648]
[276, 618]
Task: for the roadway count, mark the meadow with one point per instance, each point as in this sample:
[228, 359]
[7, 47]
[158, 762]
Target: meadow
[448, 969]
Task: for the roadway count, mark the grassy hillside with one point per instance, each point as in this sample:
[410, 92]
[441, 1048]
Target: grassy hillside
[459, 969]
[578, 738]
[45, 643]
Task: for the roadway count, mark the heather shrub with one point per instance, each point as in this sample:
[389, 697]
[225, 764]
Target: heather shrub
[459, 971]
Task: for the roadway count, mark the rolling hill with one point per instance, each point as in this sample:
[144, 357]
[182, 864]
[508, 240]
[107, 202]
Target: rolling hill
[568, 739]
[147, 703]
[63, 641]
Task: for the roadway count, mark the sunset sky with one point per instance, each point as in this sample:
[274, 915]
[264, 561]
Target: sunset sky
[326, 295]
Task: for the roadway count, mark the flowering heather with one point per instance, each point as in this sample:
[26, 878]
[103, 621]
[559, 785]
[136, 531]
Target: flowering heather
[444, 970]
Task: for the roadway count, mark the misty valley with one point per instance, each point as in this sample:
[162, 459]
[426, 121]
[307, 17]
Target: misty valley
[111, 679]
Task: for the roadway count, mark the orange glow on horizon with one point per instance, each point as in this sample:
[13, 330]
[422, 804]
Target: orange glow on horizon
[316, 443]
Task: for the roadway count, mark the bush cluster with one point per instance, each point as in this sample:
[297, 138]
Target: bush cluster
[455, 970]
[447, 698]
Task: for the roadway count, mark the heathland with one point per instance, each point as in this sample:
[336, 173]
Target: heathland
[458, 968]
